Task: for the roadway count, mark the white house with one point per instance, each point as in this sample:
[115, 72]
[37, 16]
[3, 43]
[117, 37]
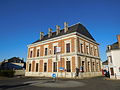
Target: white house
[113, 55]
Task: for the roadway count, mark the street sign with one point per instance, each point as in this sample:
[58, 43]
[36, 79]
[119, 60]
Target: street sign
[58, 49]
[54, 75]
[61, 68]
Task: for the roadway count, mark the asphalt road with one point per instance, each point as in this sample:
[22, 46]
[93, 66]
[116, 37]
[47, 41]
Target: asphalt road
[98, 83]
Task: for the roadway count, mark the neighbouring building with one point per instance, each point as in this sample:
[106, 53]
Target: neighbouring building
[113, 55]
[64, 52]
[105, 65]
[14, 63]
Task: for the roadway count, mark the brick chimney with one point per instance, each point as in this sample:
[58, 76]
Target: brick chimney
[57, 29]
[118, 36]
[65, 26]
[50, 32]
[41, 35]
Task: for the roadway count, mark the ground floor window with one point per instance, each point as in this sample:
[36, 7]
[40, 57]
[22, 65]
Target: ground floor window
[112, 71]
[88, 68]
[68, 66]
[54, 66]
[83, 65]
[45, 67]
[93, 66]
[29, 67]
[36, 67]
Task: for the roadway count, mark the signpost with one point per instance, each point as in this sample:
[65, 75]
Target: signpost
[61, 68]
[54, 76]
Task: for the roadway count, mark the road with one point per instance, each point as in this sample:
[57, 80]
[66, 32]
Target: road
[98, 83]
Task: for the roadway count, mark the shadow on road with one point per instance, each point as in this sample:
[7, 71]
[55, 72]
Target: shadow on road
[4, 87]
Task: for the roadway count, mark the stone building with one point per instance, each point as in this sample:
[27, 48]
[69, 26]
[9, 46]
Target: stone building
[63, 52]
[113, 55]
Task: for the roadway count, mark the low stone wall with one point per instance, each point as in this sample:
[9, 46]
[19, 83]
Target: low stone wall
[89, 74]
[19, 73]
[63, 74]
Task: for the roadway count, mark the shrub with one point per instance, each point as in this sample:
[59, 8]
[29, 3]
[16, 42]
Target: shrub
[7, 73]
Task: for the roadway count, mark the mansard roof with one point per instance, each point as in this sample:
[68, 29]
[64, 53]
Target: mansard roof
[75, 28]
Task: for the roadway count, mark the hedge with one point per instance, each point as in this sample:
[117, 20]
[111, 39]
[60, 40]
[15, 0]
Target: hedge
[7, 73]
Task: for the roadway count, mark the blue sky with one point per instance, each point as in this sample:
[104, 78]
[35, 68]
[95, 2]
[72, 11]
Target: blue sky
[22, 20]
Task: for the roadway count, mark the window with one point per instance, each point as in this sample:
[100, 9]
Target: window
[91, 50]
[97, 68]
[81, 45]
[112, 71]
[119, 69]
[83, 65]
[55, 49]
[31, 52]
[38, 52]
[36, 67]
[46, 51]
[87, 51]
[93, 66]
[29, 67]
[55, 67]
[95, 52]
[45, 67]
[88, 67]
[68, 67]
[68, 47]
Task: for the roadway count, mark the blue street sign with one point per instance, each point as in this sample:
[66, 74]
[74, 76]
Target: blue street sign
[61, 68]
[54, 75]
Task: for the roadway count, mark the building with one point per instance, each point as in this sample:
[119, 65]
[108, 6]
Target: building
[113, 55]
[105, 65]
[64, 53]
[13, 63]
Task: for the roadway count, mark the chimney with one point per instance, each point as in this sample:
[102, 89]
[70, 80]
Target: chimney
[57, 29]
[41, 35]
[118, 36]
[50, 32]
[65, 26]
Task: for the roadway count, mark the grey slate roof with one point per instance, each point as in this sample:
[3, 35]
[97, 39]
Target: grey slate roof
[115, 46]
[75, 28]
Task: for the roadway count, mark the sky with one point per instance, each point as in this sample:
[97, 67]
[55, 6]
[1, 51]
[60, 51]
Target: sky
[21, 22]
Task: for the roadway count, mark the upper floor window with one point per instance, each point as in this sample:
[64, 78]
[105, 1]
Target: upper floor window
[81, 46]
[55, 49]
[46, 51]
[91, 52]
[31, 54]
[95, 52]
[68, 47]
[38, 52]
[87, 50]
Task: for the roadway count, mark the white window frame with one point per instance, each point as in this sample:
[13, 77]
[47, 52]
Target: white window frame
[31, 49]
[39, 51]
[66, 42]
[82, 42]
[46, 46]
